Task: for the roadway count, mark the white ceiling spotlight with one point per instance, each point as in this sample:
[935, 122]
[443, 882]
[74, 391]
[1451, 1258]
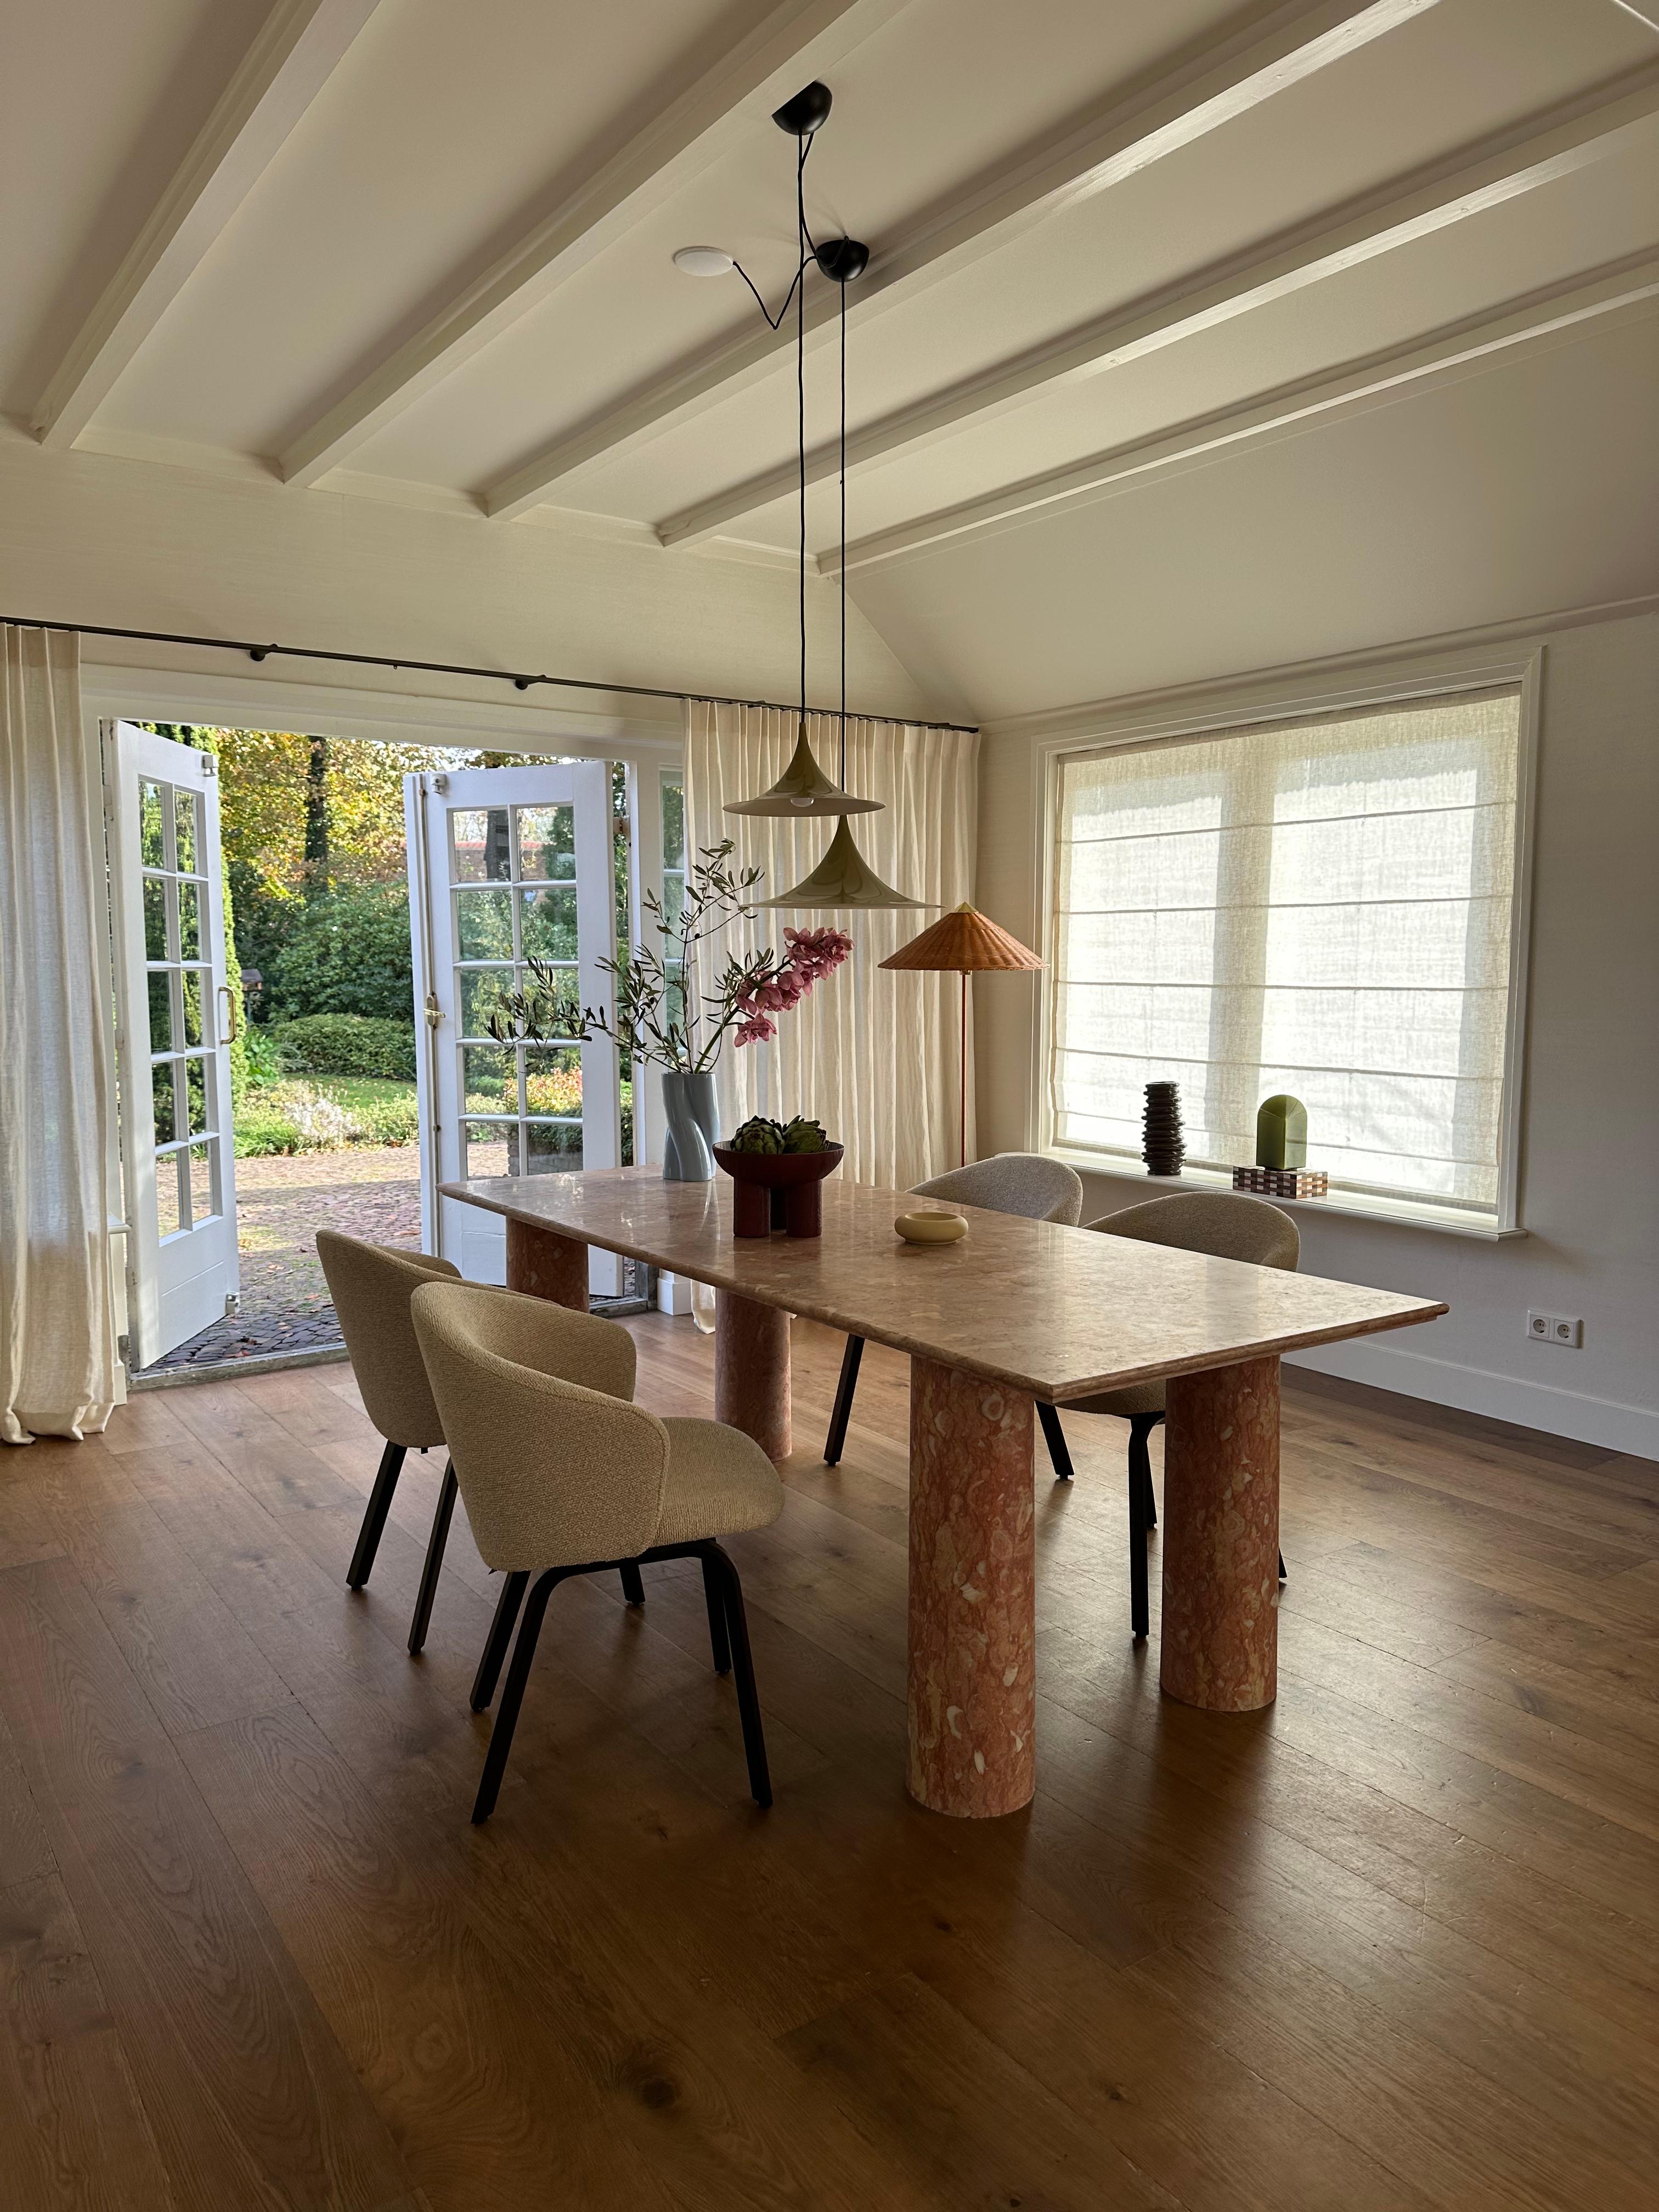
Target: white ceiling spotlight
[704, 261]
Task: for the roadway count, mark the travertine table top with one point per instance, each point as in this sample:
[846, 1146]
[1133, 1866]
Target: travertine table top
[1060, 1312]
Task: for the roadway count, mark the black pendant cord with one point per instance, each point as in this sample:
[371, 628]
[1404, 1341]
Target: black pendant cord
[843, 537]
[800, 397]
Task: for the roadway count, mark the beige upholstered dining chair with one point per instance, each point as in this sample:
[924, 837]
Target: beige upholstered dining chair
[1025, 1183]
[371, 1285]
[1226, 1226]
[562, 1475]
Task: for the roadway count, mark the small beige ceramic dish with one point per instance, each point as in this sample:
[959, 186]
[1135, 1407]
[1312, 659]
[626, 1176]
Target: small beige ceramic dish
[931, 1228]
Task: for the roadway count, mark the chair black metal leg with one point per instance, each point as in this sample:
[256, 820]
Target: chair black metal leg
[743, 1670]
[844, 1389]
[501, 1635]
[1146, 1422]
[518, 1674]
[1284, 1571]
[633, 1588]
[435, 1559]
[1054, 1437]
[379, 1504]
[1139, 1482]
[714, 1598]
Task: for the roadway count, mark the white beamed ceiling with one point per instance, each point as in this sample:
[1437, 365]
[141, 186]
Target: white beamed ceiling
[294, 333]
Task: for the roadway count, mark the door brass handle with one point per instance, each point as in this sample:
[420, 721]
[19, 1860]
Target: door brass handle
[234, 1026]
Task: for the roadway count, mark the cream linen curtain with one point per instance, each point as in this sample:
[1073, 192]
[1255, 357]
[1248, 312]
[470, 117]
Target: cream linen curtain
[875, 1055]
[58, 1368]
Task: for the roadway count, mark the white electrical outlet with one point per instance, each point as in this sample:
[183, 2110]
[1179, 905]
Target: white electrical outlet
[1555, 1329]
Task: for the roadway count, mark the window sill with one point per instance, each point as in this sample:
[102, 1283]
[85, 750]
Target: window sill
[1446, 1221]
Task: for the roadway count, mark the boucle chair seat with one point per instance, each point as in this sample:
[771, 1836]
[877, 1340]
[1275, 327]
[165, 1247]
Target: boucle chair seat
[1028, 1184]
[719, 1482]
[562, 1474]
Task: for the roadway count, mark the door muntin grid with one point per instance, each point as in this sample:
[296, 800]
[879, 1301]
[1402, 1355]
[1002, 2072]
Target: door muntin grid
[512, 890]
[181, 1009]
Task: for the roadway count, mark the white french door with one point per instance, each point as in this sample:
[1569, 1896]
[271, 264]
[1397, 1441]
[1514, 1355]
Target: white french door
[176, 1015]
[505, 864]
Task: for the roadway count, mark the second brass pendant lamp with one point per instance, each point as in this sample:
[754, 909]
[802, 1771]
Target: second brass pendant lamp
[843, 878]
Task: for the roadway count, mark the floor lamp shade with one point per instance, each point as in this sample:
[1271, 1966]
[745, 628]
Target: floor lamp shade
[969, 942]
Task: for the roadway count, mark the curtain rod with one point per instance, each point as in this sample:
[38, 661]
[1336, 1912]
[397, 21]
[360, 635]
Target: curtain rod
[451, 668]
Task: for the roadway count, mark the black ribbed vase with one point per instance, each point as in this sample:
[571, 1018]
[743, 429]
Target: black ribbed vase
[1162, 1147]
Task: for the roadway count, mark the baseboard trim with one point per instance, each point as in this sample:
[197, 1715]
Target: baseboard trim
[1604, 1422]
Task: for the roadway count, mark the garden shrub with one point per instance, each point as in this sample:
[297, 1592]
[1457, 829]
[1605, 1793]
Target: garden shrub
[346, 1044]
[344, 951]
[385, 1121]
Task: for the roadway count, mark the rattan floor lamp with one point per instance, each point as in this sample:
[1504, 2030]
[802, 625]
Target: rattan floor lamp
[967, 941]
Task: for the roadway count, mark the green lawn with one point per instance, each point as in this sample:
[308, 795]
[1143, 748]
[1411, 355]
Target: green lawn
[354, 1091]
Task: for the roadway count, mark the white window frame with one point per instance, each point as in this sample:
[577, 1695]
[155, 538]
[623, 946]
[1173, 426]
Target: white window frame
[1229, 708]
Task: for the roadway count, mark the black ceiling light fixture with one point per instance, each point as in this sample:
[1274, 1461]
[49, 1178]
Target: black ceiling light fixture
[842, 878]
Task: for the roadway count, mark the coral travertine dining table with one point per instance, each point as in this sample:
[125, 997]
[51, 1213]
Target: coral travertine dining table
[1017, 1310]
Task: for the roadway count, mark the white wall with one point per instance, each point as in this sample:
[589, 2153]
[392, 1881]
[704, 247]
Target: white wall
[1591, 1158]
[88, 538]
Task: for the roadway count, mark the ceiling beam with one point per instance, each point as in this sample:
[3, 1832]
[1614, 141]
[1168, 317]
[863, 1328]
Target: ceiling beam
[300, 45]
[1619, 288]
[1537, 153]
[1278, 47]
[802, 35]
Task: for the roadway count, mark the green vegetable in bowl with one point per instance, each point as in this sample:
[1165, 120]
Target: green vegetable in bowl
[758, 1134]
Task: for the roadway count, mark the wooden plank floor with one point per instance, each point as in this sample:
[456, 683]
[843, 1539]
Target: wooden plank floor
[1394, 1944]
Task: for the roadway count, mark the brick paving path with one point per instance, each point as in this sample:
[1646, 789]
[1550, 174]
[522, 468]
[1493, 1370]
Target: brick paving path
[371, 1191]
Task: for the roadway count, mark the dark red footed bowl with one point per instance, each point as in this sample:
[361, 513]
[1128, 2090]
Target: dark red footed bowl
[778, 1190]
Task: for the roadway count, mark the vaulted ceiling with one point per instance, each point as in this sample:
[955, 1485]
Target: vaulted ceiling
[1166, 299]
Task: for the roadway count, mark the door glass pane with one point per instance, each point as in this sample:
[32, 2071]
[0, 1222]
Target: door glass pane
[161, 1098]
[169, 1218]
[196, 1083]
[484, 925]
[489, 1080]
[203, 1197]
[552, 1147]
[161, 1038]
[155, 917]
[484, 1148]
[194, 982]
[479, 851]
[152, 807]
[553, 1080]
[185, 839]
[547, 844]
[479, 989]
[189, 923]
[550, 924]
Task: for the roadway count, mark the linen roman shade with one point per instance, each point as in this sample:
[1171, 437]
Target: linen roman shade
[1322, 907]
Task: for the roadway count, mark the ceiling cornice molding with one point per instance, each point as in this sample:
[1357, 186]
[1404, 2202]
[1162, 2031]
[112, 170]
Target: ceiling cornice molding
[1570, 136]
[298, 48]
[1556, 312]
[804, 34]
[1114, 716]
[1279, 46]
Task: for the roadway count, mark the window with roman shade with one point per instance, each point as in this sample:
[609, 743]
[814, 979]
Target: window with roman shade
[1322, 907]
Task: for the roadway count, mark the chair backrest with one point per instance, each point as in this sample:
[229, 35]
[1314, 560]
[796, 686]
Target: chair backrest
[557, 1467]
[1012, 1182]
[371, 1285]
[1228, 1224]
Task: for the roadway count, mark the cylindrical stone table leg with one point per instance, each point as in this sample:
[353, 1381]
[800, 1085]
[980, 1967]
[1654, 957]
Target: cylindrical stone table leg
[1220, 1537]
[546, 1265]
[752, 1371]
[973, 1595]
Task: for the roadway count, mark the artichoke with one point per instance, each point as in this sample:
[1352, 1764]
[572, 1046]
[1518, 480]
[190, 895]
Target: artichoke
[802, 1135]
